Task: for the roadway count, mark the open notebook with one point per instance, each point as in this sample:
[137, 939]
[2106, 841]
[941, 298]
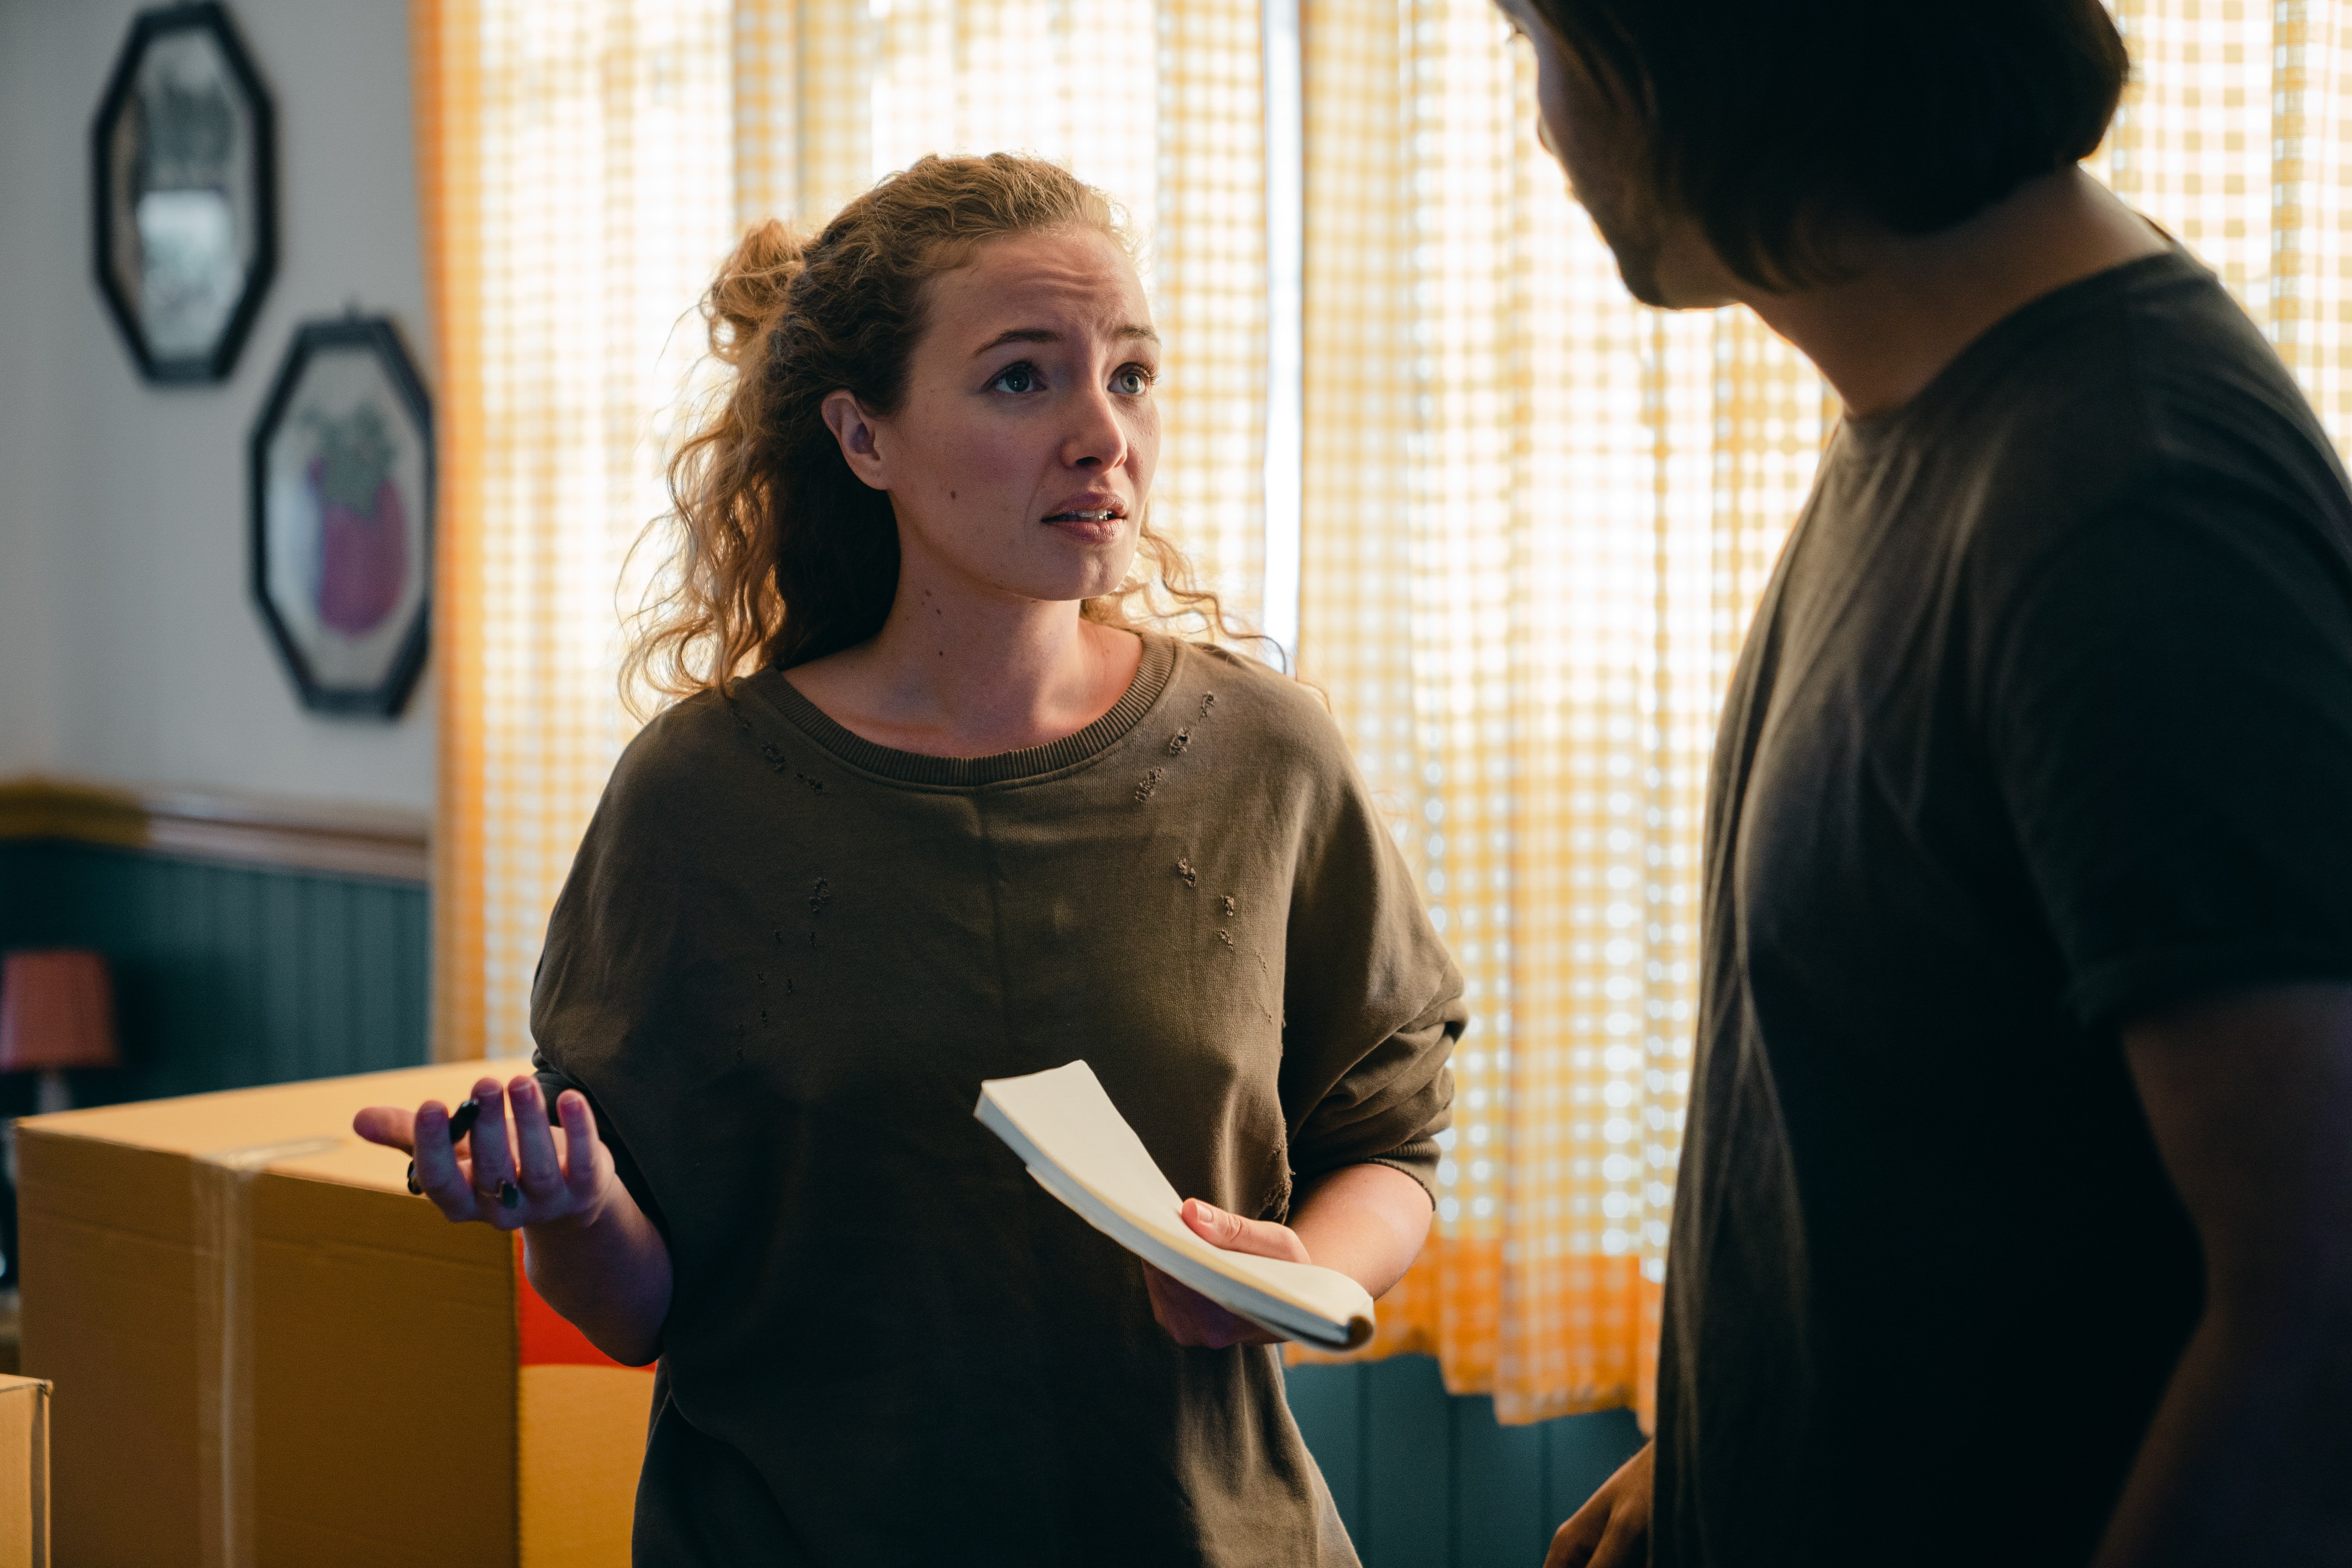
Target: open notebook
[1082, 1150]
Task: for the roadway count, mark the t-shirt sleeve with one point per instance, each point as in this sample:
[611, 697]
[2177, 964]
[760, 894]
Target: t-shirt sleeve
[2168, 711]
[1400, 1060]
[617, 941]
[552, 1083]
[1372, 1005]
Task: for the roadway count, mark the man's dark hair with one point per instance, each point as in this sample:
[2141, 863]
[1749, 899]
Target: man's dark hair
[1763, 115]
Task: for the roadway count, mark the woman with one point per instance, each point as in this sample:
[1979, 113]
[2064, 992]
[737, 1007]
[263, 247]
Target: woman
[964, 820]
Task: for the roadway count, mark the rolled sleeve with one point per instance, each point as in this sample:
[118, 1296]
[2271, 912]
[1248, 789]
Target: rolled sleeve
[2174, 738]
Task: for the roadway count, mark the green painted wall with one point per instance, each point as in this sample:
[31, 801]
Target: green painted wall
[227, 976]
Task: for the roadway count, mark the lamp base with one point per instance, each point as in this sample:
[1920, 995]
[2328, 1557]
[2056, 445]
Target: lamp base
[53, 1095]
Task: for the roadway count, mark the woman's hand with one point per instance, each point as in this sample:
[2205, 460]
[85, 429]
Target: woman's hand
[1612, 1529]
[529, 1175]
[589, 1250]
[1191, 1318]
[1366, 1221]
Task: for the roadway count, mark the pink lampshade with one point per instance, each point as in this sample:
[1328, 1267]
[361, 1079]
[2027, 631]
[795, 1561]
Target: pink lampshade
[56, 1010]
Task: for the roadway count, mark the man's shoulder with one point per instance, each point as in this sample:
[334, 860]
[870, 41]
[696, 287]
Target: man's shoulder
[2176, 372]
[2151, 387]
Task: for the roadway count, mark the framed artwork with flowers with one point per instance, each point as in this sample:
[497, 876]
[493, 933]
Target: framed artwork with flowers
[341, 474]
[184, 198]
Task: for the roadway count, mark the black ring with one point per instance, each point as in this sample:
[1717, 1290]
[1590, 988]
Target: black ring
[413, 1190]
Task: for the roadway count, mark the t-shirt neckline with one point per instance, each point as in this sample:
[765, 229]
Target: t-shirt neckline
[1152, 677]
[1990, 346]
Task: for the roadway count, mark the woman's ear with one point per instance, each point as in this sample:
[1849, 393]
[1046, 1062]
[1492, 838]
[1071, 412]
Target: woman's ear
[858, 434]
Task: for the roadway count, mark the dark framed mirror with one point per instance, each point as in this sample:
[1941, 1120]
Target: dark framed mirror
[184, 197]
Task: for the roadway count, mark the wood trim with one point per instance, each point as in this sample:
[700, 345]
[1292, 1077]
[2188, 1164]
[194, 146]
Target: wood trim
[239, 829]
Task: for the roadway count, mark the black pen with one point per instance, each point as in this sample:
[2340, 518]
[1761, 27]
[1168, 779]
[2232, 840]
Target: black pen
[461, 1121]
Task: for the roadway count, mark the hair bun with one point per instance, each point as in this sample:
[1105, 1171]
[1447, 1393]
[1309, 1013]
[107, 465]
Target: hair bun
[749, 293]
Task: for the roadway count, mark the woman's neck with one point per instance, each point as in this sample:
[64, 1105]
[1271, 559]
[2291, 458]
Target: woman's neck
[969, 674]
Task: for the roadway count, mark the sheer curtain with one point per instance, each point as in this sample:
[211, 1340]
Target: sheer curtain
[1538, 517]
[1535, 517]
[577, 192]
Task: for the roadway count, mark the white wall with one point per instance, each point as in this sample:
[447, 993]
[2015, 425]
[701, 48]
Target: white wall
[130, 649]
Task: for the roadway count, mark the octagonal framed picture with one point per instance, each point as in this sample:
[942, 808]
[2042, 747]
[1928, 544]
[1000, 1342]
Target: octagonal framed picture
[341, 477]
[183, 192]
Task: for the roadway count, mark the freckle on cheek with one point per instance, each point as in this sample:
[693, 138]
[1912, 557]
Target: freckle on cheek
[951, 495]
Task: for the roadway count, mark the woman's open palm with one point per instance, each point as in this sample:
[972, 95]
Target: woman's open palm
[507, 1173]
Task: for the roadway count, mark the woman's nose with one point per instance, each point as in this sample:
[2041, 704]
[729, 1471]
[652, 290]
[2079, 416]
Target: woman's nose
[1097, 437]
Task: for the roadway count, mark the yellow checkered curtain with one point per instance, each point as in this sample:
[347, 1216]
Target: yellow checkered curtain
[585, 165]
[1536, 519]
[575, 175]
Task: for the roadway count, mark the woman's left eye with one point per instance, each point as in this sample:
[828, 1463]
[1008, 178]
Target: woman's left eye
[1022, 377]
[1133, 382]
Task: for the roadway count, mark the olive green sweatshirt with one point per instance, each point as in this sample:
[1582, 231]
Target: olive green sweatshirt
[785, 960]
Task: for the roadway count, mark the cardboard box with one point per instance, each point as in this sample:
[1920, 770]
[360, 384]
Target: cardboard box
[268, 1354]
[24, 1473]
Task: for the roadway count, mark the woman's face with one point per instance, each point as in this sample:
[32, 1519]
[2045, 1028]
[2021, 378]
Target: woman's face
[1019, 460]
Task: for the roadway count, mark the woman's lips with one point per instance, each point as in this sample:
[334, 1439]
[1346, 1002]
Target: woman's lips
[1100, 525]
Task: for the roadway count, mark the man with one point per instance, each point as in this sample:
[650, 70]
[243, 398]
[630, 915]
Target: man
[2015, 1211]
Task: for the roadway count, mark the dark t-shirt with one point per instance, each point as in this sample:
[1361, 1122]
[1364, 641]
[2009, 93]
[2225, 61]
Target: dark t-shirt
[2045, 721]
[784, 962]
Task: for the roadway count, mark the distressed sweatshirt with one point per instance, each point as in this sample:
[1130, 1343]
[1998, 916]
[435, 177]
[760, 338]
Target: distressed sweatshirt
[784, 962]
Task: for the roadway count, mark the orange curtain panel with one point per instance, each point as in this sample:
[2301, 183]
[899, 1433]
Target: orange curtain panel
[578, 190]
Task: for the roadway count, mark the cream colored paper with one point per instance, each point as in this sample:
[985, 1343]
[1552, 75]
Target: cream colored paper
[1081, 1150]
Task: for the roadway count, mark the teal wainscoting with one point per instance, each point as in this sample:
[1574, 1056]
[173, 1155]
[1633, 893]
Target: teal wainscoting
[224, 975]
[229, 975]
[1426, 1479]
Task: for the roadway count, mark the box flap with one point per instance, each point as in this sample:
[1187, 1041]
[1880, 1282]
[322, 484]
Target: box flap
[24, 1472]
[275, 1113]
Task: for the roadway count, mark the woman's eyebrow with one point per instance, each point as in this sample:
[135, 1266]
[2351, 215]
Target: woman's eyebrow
[1047, 335]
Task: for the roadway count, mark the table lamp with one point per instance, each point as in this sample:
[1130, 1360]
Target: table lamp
[57, 1011]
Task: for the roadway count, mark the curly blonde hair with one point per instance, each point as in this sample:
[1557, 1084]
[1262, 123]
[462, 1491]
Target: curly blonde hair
[775, 553]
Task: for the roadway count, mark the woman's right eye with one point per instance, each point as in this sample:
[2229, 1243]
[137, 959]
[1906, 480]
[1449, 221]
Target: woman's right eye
[1022, 377]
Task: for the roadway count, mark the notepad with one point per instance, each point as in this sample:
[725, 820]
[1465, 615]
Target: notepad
[1081, 1150]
